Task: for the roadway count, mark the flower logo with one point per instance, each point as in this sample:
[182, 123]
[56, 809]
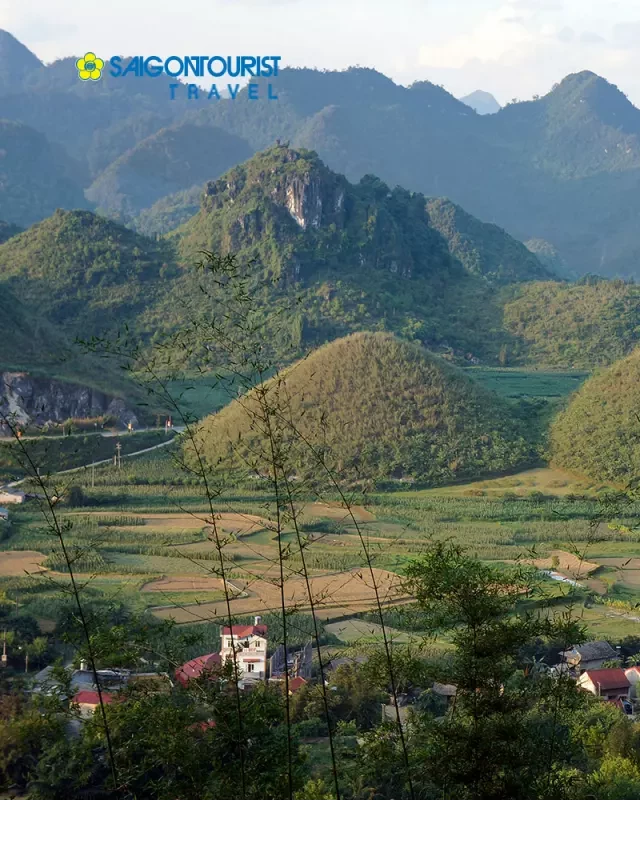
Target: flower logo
[90, 67]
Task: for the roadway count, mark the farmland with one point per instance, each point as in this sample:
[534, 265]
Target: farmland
[145, 538]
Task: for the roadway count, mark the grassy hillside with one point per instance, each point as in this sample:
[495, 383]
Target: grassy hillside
[171, 160]
[598, 434]
[85, 273]
[380, 407]
[581, 325]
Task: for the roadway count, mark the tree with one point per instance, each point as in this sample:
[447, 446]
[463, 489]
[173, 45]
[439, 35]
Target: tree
[507, 736]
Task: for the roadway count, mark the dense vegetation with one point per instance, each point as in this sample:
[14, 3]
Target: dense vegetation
[35, 176]
[592, 322]
[483, 249]
[169, 161]
[378, 407]
[351, 256]
[573, 153]
[598, 432]
[81, 270]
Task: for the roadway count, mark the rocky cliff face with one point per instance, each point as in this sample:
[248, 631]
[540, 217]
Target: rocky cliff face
[33, 399]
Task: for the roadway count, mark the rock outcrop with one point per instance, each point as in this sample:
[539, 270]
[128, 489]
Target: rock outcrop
[33, 399]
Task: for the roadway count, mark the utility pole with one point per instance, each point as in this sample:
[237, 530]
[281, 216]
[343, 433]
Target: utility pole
[3, 659]
[93, 475]
[119, 457]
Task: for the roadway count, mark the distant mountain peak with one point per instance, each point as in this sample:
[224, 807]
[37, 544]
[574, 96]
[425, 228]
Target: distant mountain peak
[16, 62]
[482, 102]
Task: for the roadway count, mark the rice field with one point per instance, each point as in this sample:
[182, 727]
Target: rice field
[146, 538]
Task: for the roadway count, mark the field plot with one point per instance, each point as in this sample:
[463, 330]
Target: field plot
[159, 522]
[333, 595]
[20, 563]
[354, 631]
[515, 382]
[565, 562]
[548, 481]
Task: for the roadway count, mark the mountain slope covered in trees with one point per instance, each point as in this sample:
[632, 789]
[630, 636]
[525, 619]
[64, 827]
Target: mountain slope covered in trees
[353, 256]
[583, 324]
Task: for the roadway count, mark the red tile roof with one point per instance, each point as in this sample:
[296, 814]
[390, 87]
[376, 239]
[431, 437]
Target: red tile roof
[243, 631]
[90, 697]
[203, 726]
[194, 668]
[608, 679]
[296, 683]
[252, 660]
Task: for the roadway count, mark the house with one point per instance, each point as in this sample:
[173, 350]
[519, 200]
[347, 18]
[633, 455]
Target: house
[89, 700]
[195, 668]
[590, 656]
[446, 691]
[9, 496]
[609, 684]
[249, 643]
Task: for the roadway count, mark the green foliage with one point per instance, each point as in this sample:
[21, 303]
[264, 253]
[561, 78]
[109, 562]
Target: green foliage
[582, 325]
[35, 176]
[171, 160]
[483, 249]
[597, 434]
[77, 268]
[366, 256]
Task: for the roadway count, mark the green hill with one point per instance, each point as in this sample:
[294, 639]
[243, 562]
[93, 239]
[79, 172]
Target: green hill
[598, 434]
[35, 176]
[86, 274]
[353, 256]
[482, 248]
[171, 160]
[381, 407]
[584, 324]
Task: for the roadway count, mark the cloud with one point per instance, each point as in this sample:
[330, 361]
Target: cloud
[591, 38]
[626, 34]
[566, 34]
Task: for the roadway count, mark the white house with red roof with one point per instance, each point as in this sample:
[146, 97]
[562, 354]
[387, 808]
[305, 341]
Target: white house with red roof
[250, 644]
[610, 684]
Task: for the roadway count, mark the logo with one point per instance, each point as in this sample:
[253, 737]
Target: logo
[90, 67]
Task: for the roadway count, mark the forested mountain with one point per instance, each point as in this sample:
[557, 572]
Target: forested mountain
[332, 258]
[483, 249]
[376, 406]
[573, 154]
[586, 324]
[86, 274]
[162, 164]
[482, 102]
[352, 256]
[35, 176]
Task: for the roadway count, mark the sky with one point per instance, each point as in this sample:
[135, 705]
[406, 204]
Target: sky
[513, 49]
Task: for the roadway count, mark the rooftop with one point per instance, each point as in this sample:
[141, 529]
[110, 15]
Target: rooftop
[243, 631]
[91, 697]
[196, 667]
[607, 679]
[596, 650]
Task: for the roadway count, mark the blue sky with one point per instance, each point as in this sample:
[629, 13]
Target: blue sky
[513, 48]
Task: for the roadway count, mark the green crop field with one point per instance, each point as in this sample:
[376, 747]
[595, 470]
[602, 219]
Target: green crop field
[142, 539]
[516, 382]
